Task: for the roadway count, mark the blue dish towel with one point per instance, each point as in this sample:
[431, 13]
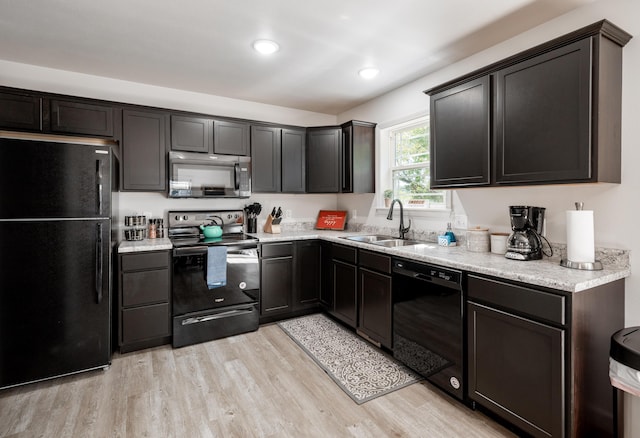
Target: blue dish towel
[216, 266]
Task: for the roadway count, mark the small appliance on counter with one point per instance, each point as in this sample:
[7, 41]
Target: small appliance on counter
[580, 240]
[525, 240]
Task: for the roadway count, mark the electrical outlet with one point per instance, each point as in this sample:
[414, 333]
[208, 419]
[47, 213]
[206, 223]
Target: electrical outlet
[460, 221]
[287, 214]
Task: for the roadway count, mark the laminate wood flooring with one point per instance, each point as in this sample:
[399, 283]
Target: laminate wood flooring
[258, 384]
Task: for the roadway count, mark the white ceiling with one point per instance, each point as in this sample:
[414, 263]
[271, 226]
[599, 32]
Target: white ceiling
[205, 45]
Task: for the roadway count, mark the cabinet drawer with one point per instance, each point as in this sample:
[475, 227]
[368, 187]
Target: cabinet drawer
[145, 287]
[532, 302]
[277, 249]
[375, 261]
[149, 260]
[345, 253]
[144, 323]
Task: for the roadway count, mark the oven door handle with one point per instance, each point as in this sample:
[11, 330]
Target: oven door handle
[191, 250]
[199, 319]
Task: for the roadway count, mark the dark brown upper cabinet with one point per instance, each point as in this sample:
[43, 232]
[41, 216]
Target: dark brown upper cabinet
[144, 150]
[21, 111]
[70, 117]
[358, 157]
[461, 145]
[266, 157]
[293, 160]
[324, 147]
[192, 134]
[554, 113]
[230, 138]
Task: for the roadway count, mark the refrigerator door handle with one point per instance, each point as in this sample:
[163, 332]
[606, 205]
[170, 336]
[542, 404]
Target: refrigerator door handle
[99, 165]
[99, 270]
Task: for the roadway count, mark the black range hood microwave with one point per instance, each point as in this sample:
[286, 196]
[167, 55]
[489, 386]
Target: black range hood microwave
[195, 175]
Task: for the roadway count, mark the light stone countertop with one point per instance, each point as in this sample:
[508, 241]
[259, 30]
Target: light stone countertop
[545, 273]
[127, 246]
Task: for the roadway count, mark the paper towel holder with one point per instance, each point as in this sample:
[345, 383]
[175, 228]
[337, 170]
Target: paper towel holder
[585, 266]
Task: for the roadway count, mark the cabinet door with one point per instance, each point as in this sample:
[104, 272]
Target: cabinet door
[81, 118]
[323, 160]
[358, 158]
[345, 292]
[192, 134]
[230, 138]
[516, 369]
[144, 151]
[307, 287]
[293, 161]
[326, 276]
[543, 117]
[276, 285]
[460, 135]
[375, 306]
[265, 159]
[20, 111]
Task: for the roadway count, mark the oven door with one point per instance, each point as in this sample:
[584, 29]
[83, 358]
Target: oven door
[202, 314]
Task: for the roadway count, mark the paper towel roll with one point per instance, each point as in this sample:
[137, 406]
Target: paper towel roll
[580, 242]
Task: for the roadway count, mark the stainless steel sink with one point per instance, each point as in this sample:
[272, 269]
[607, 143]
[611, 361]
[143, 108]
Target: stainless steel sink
[368, 238]
[393, 243]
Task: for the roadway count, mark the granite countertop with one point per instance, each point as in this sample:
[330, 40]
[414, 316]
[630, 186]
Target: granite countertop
[545, 273]
[127, 246]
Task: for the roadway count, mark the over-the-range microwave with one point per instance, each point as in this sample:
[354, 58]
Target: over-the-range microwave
[195, 175]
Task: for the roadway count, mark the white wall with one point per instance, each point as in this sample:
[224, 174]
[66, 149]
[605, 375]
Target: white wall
[615, 205]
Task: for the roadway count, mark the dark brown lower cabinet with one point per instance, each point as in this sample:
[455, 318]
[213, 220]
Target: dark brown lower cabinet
[307, 280]
[344, 273]
[144, 300]
[376, 306]
[539, 358]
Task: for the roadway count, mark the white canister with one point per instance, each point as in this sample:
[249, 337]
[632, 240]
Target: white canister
[478, 239]
[499, 243]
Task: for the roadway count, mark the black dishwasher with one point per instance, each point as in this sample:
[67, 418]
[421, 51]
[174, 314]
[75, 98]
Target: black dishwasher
[427, 322]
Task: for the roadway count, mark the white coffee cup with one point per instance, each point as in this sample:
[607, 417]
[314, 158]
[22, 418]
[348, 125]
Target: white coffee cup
[499, 243]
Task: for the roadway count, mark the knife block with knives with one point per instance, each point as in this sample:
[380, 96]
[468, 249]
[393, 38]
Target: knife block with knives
[272, 225]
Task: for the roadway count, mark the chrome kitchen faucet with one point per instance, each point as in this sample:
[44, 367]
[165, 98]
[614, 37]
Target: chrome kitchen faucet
[402, 230]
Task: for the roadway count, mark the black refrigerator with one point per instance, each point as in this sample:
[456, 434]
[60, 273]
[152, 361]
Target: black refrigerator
[55, 264]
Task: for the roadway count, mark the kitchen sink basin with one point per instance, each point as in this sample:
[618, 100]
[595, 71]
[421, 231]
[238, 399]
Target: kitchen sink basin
[369, 238]
[393, 243]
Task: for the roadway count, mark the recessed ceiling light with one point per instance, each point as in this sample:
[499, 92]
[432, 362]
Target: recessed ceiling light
[369, 72]
[266, 47]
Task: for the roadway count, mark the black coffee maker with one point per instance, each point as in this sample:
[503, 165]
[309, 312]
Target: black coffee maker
[525, 242]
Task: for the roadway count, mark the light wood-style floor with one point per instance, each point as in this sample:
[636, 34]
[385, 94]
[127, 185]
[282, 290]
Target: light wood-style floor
[259, 384]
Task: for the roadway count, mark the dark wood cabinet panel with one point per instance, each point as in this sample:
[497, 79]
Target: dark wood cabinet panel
[276, 285]
[376, 307]
[146, 323]
[345, 292]
[358, 158]
[230, 138]
[21, 112]
[516, 369]
[543, 117]
[293, 160]
[460, 141]
[192, 134]
[145, 287]
[323, 160]
[144, 150]
[70, 117]
[266, 159]
[326, 276]
[307, 288]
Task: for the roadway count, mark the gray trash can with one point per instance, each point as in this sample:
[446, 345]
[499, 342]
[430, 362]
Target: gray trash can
[624, 371]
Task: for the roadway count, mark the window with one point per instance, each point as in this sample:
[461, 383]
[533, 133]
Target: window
[406, 173]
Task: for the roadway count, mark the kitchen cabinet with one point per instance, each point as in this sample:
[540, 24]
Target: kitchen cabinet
[554, 113]
[538, 358]
[358, 157]
[21, 111]
[375, 308]
[345, 284]
[323, 161]
[143, 308]
[293, 160]
[191, 134]
[230, 138]
[144, 150]
[326, 276]
[276, 279]
[75, 117]
[460, 157]
[266, 159]
[307, 271]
